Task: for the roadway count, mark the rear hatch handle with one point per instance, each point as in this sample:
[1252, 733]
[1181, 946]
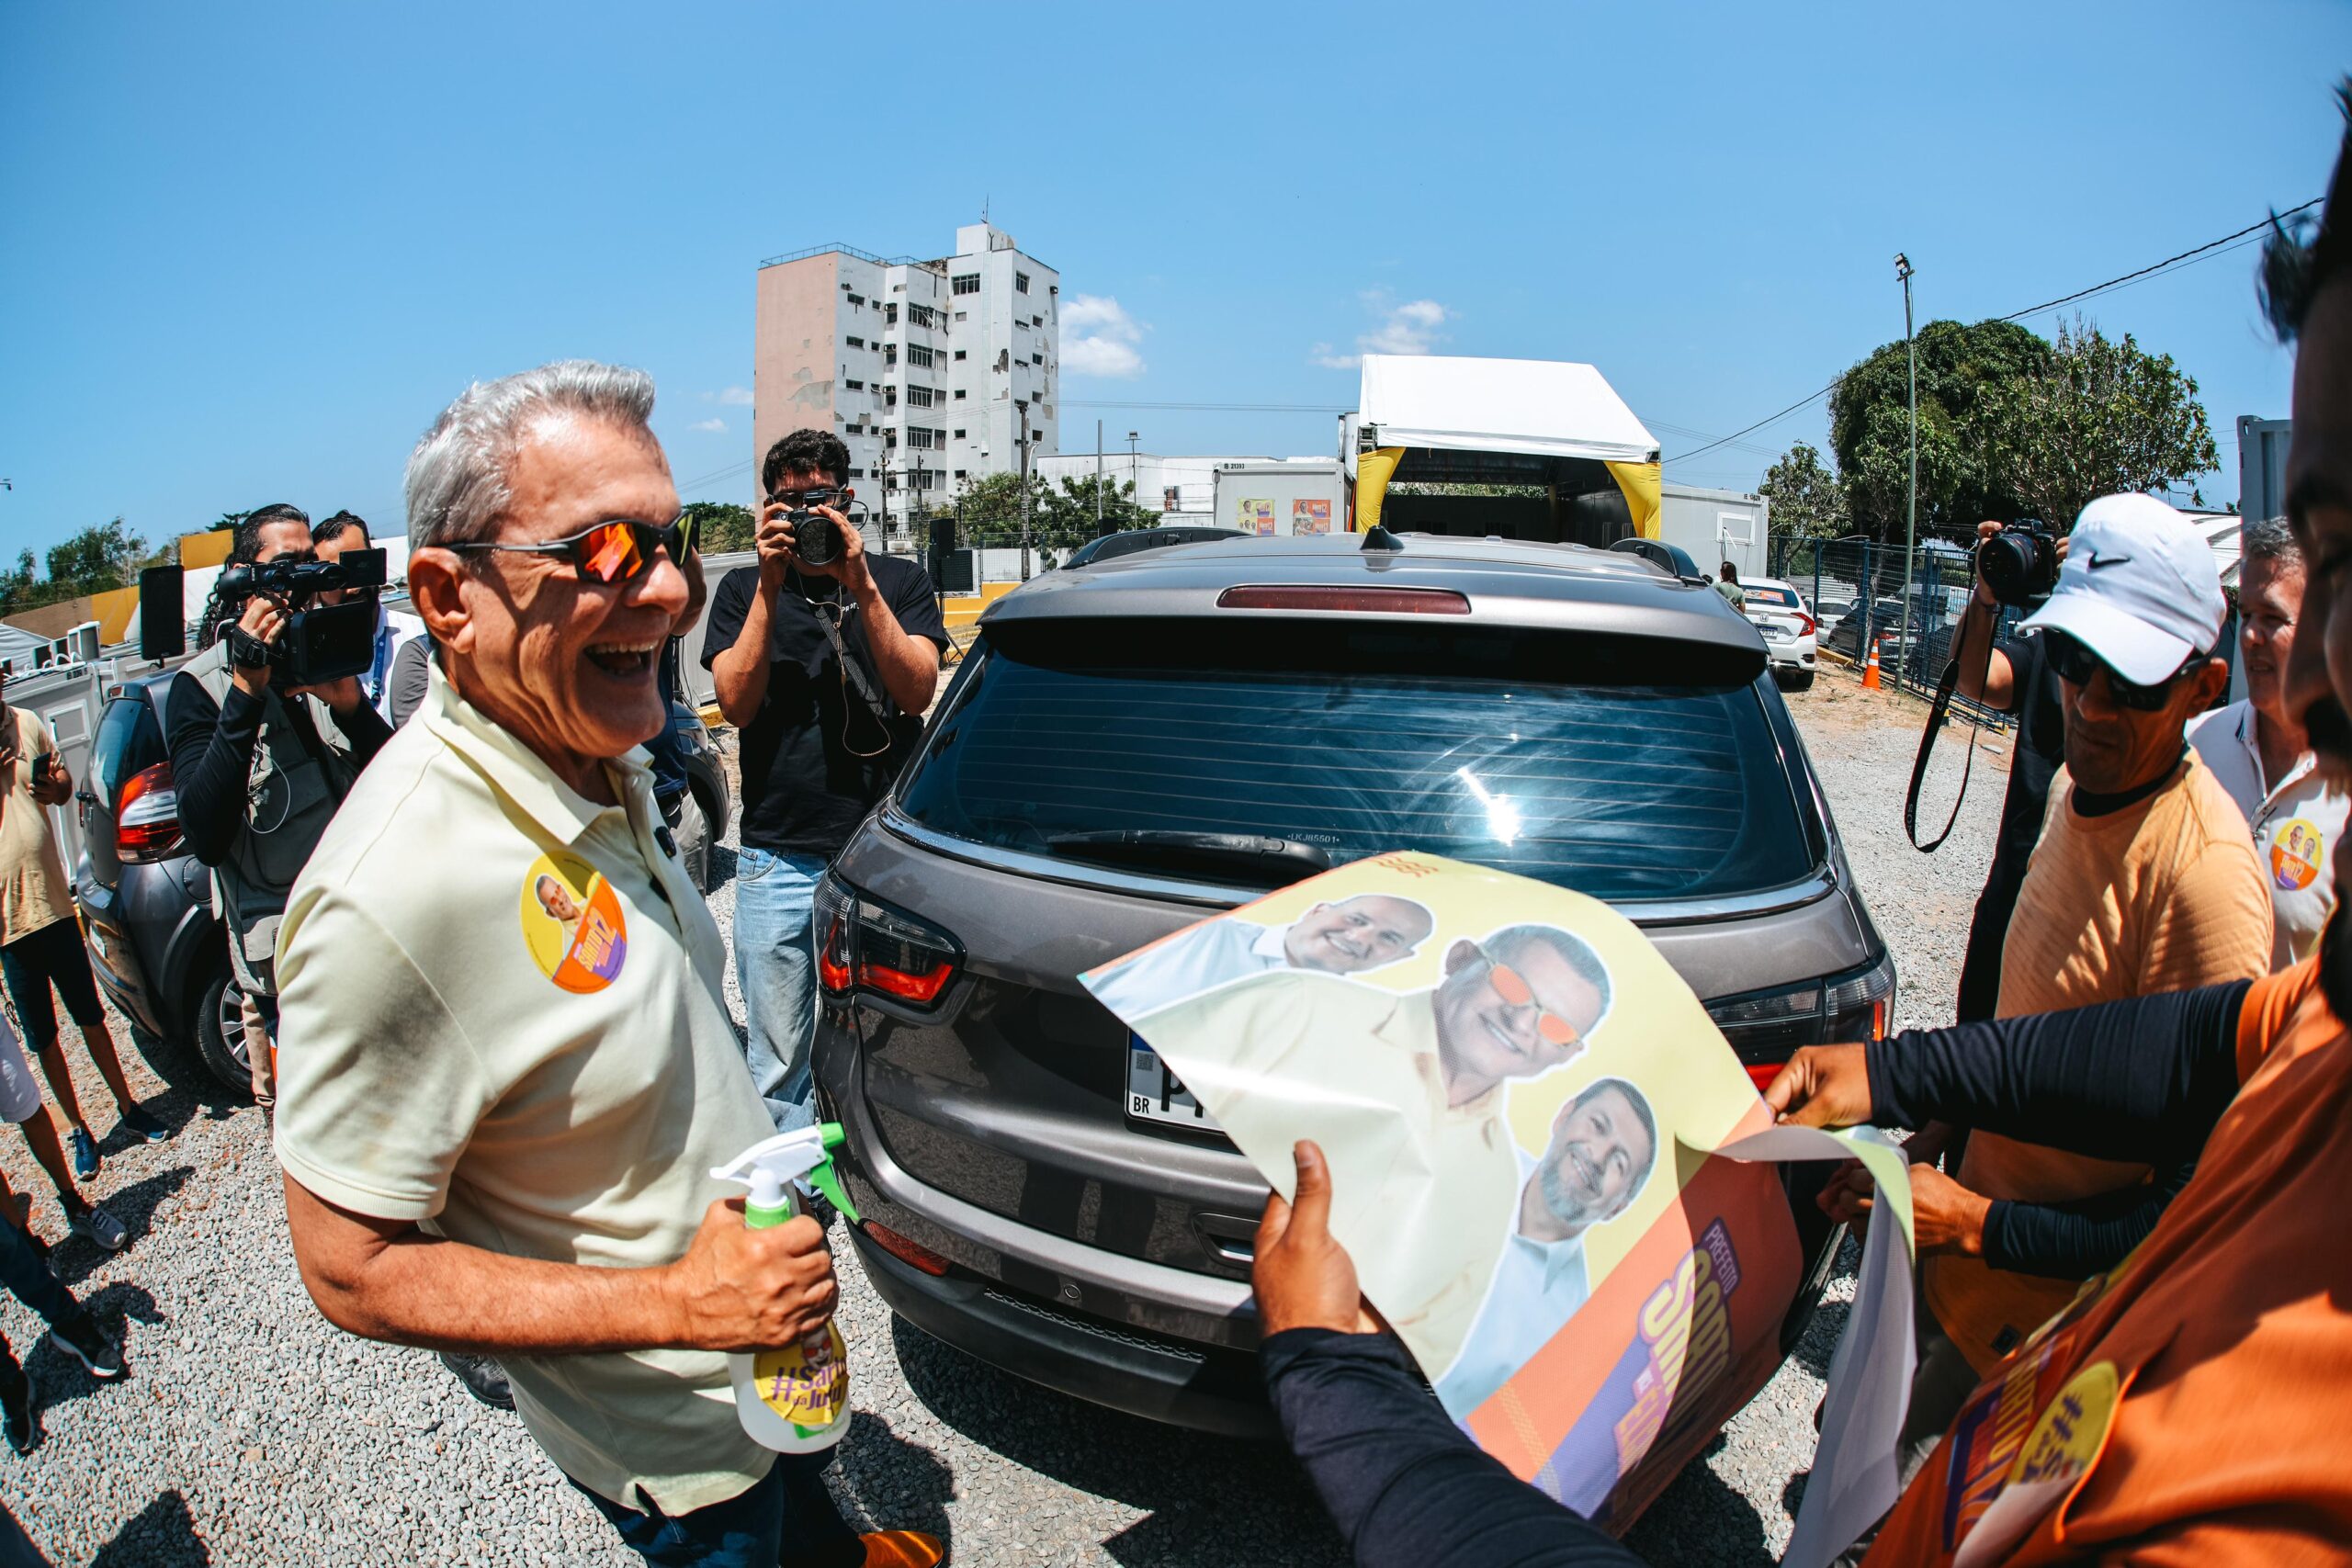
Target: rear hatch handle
[1179, 847]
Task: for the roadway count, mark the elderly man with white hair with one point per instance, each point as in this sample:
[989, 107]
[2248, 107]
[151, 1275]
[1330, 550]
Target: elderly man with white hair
[498, 1122]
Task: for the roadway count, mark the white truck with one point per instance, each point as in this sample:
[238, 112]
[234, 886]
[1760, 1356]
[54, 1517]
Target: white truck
[1282, 498]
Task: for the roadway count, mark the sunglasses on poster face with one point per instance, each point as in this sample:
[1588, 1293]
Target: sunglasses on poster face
[612, 552]
[2077, 664]
[1515, 992]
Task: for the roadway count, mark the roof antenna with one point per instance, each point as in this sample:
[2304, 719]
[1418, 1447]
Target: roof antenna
[1379, 538]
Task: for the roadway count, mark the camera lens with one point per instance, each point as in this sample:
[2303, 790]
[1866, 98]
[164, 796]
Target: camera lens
[815, 539]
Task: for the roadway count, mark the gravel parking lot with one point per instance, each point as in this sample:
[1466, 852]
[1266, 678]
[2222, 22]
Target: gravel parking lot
[250, 1432]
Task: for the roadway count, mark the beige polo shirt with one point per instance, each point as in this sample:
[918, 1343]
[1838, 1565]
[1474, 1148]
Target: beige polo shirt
[1292, 1054]
[34, 889]
[501, 1017]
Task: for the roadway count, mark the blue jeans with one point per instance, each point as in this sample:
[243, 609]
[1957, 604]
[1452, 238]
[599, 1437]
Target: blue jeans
[28, 1279]
[786, 1511]
[775, 962]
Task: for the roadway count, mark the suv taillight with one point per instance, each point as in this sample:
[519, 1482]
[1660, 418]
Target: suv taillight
[147, 817]
[1766, 1027]
[863, 945]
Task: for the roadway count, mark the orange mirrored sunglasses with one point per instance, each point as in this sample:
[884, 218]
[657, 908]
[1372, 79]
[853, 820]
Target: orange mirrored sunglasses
[1513, 988]
[607, 552]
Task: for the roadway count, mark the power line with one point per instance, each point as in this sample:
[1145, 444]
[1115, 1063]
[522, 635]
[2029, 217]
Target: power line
[1210, 408]
[2159, 267]
[2185, 256]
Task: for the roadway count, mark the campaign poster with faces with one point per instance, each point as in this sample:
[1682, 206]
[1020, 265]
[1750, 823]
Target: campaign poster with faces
[1519, 1101]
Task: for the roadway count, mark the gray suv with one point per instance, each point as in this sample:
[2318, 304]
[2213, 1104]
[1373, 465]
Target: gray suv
[1131, 748]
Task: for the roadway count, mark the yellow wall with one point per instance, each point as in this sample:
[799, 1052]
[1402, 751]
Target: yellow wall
[205, 549]
[963, 609]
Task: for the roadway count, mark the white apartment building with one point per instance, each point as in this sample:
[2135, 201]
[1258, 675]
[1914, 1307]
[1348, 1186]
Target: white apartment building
[925, 367]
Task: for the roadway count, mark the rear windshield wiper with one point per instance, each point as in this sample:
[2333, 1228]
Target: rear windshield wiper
[1272, 862]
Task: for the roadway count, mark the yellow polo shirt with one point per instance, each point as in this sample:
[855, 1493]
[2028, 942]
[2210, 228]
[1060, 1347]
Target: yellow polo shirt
[502, 1017]
[1293, 1055]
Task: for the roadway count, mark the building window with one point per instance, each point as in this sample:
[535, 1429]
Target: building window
[959, 394]
[1037, 359]
[959, 435]
[857, 473]
[857, 298]
[923, 315]
[920, 397]
[959, 354]
[962, 315]
[1021, 283]
[890, 397]
[959, 473]
[967, 283]
[919, 355]
[889, 315]
[854, 341]
[890, 354]
[855, 386]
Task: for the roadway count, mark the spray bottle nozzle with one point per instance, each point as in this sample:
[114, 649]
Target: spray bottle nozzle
[803, 1154]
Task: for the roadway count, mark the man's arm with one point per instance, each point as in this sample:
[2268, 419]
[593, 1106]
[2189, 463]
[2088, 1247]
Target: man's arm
[736, 1288]
[360, 723]
[910, 665]
[2074, 1241]
[411, 676]
[211, 749]
[2141, 1079]
[1406, 1488]
[737, 648]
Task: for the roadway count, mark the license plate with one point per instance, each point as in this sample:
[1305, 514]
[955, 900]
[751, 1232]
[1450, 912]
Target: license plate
[1156, 1094]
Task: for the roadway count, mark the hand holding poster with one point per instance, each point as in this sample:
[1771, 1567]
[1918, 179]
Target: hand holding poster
[1524, 1111]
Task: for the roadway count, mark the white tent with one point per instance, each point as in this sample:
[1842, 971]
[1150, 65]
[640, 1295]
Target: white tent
[1540, 407]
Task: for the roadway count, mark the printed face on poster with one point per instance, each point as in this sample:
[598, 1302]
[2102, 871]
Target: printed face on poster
[1257, 515]
[1310, 516]
[1518, 1099]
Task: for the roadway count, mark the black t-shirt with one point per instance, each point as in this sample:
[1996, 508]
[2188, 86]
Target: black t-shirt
[805, 785]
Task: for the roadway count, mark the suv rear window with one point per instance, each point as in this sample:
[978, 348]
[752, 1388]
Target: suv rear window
[128, 739]
[1620, 786]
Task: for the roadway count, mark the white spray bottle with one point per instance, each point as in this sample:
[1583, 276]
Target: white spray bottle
[793, 1398]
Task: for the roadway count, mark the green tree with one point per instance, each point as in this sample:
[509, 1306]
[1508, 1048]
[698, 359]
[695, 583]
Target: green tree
[722, 525]
[1807, 501]
[2100, 417]
[96, 559]
[1869, 427]
[1069, 511]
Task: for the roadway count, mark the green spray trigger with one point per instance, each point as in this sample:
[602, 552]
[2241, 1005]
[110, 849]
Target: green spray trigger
[825, 1180]
[804, 1155]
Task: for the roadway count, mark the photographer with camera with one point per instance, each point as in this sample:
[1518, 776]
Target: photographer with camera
[825, 656]
[2010, 676]
[261, 764]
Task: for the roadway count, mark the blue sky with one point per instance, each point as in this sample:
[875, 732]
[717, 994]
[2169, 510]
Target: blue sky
[247, 254]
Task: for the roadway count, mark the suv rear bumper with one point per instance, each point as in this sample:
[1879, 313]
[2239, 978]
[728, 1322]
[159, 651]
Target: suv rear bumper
[1144, 1374]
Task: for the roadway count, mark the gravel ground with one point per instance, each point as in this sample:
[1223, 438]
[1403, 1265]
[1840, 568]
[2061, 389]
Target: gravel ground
[250, 1432]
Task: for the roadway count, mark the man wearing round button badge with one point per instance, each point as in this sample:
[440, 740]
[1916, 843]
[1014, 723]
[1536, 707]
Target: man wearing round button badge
[506, 1064]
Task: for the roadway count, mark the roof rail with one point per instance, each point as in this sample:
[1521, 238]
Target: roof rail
[847, 250]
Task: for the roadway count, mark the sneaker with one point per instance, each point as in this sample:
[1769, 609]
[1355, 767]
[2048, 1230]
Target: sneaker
[146, 1126]
[85, 1153]
[81, 1337]
[903, 1549]
[482, 1377]
[98, 1225]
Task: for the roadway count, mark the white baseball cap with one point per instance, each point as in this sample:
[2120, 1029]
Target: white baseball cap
[2140, 588]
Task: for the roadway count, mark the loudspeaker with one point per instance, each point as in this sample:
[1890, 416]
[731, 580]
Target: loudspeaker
[163, 629]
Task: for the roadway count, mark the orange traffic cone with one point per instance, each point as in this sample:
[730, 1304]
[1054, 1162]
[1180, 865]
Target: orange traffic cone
[1869, 671]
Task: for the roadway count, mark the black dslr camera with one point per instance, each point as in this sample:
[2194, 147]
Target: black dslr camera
[816, 538]
[321, 643]
[2020, 564]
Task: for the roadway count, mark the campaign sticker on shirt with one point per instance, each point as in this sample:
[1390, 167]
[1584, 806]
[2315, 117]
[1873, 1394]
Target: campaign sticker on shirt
[572, 924]
[2057, 1454]
[2295, 855]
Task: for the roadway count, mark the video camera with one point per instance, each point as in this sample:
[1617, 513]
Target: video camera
[2020, 564]
[320, 643]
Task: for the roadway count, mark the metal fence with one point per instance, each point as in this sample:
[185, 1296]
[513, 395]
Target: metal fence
[1856, 588]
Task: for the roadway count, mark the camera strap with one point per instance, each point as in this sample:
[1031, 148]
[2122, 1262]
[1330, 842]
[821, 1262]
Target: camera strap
[1939, 714]
[853, 674]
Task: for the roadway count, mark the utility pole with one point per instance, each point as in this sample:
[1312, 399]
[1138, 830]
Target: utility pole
[1133, 479]
[1022, 404]
[1098, 478]
[1911, 516]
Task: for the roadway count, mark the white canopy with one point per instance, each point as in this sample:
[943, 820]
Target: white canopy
[1541, 407]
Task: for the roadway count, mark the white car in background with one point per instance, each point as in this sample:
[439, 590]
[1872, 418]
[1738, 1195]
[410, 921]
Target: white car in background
[1777, 610]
